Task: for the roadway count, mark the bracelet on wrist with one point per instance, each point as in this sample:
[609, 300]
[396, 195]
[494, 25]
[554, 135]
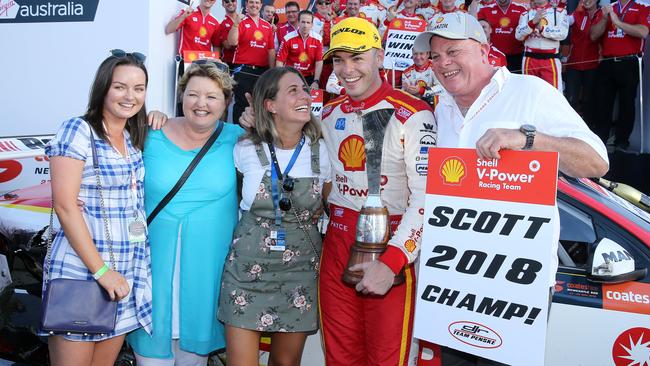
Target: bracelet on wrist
[100, 272]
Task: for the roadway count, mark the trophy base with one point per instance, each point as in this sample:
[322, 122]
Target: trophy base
[362, 254]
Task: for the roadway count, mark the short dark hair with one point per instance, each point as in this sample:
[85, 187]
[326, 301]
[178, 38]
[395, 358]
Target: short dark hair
[292, 3]
[306, 12]
[136, 125]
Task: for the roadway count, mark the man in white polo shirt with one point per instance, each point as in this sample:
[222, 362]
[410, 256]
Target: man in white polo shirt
[491, 109]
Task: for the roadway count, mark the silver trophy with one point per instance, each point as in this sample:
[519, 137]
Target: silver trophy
[373, 229]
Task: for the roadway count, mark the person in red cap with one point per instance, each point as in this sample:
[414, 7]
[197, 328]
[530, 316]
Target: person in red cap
[196, 26]
[377, 138]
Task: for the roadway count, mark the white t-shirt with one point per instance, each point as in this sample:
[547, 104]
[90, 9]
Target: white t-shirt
[248, 163]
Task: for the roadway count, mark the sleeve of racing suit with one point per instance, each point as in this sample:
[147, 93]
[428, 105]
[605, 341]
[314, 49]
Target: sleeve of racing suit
[404, 246]
[560, 29]
[523, 29]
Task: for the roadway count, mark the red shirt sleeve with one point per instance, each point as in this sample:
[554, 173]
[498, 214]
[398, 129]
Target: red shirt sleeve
[182, 24]
[319, 52]
[270, 44]
[644, 17]
[283, 52]
[216, 39]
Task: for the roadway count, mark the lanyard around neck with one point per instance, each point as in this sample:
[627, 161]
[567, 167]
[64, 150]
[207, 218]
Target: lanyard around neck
[277, 175]
[623, 9]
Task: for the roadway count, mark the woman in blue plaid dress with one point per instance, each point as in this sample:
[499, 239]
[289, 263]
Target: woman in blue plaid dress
[118, 118]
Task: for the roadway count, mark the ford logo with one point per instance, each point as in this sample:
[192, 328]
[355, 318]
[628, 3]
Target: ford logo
[475, 334]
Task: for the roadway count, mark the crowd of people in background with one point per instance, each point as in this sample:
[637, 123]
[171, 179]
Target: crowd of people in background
[541, 38]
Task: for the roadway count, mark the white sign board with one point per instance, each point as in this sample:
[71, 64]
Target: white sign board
[487, 255]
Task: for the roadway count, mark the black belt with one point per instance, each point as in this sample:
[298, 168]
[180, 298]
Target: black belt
[251, 67]
[622, 58]
[541, 56]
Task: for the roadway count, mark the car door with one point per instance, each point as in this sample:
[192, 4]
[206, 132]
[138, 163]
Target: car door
[597, 323]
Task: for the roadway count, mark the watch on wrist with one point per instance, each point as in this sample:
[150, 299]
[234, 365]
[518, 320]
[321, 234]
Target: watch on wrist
[529, 131]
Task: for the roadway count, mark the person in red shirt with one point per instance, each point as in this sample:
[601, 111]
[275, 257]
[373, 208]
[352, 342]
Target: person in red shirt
[322, 25]
[196, 26]
[622, 28]
[583, 62]
[303, 50]
[496, 58]
[220, 37]
[254, 54]
[503, 17]
[291, 9]
[449, 6]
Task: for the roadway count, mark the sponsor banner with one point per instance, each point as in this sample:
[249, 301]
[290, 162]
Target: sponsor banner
[399, 42]
[632, 297]
[483, 282]
[47, 11]
[317, 102]
[576, 290]
[22, 162]
[189, 56]
[521, 176]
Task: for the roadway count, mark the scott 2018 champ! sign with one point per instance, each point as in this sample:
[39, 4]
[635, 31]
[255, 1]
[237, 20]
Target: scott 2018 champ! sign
[488, 255]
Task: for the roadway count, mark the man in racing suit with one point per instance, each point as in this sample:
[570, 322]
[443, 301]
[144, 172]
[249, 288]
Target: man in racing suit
[371, 324]
[541, 29]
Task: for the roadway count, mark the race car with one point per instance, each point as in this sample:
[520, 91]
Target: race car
[599, 316]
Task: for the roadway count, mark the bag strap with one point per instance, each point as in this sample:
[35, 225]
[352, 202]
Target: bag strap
[107, 232]
[186, 174]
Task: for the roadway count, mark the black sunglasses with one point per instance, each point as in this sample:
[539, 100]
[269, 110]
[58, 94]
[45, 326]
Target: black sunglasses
[219, 65]
[287, 186]
[228, 1]
[323, 3]
[140, 57]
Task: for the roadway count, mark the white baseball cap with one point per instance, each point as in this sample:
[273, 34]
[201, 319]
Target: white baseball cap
[456, 25]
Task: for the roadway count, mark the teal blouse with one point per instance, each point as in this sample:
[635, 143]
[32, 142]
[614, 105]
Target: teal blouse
[205, 213]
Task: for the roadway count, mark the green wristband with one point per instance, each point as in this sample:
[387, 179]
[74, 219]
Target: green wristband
[100, 272]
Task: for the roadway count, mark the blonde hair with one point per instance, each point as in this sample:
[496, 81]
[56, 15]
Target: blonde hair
[208, 70]
[266, 88]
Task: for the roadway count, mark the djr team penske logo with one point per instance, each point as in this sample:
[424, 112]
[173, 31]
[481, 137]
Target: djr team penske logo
[453, 170]
[352, 153]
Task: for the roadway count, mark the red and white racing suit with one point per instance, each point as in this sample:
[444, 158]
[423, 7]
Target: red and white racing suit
[542, 42]
[424, 77]
[359, 329]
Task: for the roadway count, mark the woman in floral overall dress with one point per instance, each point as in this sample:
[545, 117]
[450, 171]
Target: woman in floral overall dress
[266, 288]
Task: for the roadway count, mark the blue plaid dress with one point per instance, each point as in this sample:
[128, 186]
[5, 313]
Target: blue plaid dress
[132, 259]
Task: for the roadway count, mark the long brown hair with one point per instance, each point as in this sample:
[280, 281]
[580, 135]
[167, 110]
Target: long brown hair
[136, 125]
[266, 88]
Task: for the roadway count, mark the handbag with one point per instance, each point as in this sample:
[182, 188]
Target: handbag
[186, 174]
[79, 306]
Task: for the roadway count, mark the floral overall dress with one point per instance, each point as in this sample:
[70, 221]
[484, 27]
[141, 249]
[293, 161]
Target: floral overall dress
[267, 290]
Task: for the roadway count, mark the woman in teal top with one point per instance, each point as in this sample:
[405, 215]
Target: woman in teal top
[190, 237]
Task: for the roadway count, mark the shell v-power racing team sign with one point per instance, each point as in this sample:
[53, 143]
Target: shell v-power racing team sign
[488, 255]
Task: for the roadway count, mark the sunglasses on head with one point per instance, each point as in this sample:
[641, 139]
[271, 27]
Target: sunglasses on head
[287, 186]
[121, 53]
[323, 3]
[219, 65]
[228, 1]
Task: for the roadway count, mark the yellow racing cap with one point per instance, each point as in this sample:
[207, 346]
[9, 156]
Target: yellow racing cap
[354, 35]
